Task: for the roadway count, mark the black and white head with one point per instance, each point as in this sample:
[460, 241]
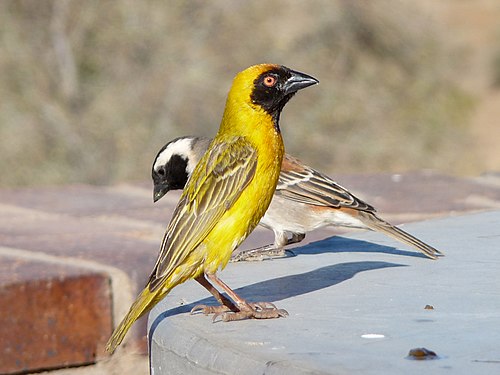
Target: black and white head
[175, 162]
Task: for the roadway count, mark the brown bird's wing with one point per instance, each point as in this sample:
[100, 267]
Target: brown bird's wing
[216, 183]
[301, 183]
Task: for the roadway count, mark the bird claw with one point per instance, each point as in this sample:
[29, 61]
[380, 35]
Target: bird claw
[252, 310]
[260, 254]
[259, 306]
[268, 313]
[255, 310]
[207, 310]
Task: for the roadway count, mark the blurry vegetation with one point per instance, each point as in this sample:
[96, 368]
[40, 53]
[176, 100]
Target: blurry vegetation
[496, 63]
[90, 90]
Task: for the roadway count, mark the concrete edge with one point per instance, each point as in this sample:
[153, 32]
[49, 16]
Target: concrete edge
[194, 354]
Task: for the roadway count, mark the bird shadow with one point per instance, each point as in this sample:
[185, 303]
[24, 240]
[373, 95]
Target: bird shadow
[284, 287]
[339, 244]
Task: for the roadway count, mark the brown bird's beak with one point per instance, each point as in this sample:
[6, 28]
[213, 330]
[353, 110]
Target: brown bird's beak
[159, 191]
[298, 81]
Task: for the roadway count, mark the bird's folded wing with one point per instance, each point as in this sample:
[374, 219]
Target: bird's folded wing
[300, 183]
[216, 183]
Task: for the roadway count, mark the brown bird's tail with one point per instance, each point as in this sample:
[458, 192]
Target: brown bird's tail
[377, 224]
[142, 305]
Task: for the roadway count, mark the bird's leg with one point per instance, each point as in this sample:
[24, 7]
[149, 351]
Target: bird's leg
[296, 237]
[257, 310]
[276, 250]
[226, 304]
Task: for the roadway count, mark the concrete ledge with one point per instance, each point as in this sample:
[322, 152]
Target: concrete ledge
[337, 292]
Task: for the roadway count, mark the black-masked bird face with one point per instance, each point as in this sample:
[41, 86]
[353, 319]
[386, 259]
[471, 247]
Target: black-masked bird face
[175, 162]
[171, 176]
[170, 169]
[275, 87]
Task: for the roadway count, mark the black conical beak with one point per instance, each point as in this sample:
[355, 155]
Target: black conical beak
[159, 190]
[298, 81]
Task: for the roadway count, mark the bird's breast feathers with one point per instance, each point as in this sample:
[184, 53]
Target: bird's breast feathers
[251, 205]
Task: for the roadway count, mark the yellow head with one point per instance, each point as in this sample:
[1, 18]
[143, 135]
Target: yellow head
[261, 91]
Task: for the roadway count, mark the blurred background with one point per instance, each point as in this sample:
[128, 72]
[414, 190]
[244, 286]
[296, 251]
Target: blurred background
[90, 90]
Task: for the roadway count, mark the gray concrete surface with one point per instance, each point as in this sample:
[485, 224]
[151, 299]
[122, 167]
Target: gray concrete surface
[341, 289]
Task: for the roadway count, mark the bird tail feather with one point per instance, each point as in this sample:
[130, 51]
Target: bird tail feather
[383, 226]
[141, 306]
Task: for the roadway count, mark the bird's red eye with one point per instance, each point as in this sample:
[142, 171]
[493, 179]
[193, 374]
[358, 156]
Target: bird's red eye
[270, 81]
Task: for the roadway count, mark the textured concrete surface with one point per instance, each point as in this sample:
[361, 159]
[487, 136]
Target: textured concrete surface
[63, 236]
[357, 304]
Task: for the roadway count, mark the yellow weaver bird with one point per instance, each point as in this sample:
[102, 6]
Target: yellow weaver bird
[227, 194]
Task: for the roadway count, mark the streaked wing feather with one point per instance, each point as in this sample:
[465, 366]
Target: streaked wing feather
[216, 183]
[306, 185]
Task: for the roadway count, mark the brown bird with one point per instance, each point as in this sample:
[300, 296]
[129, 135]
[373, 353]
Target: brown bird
[304, 200]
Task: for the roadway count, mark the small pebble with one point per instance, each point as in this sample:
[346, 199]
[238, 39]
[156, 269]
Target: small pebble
[421, 353]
